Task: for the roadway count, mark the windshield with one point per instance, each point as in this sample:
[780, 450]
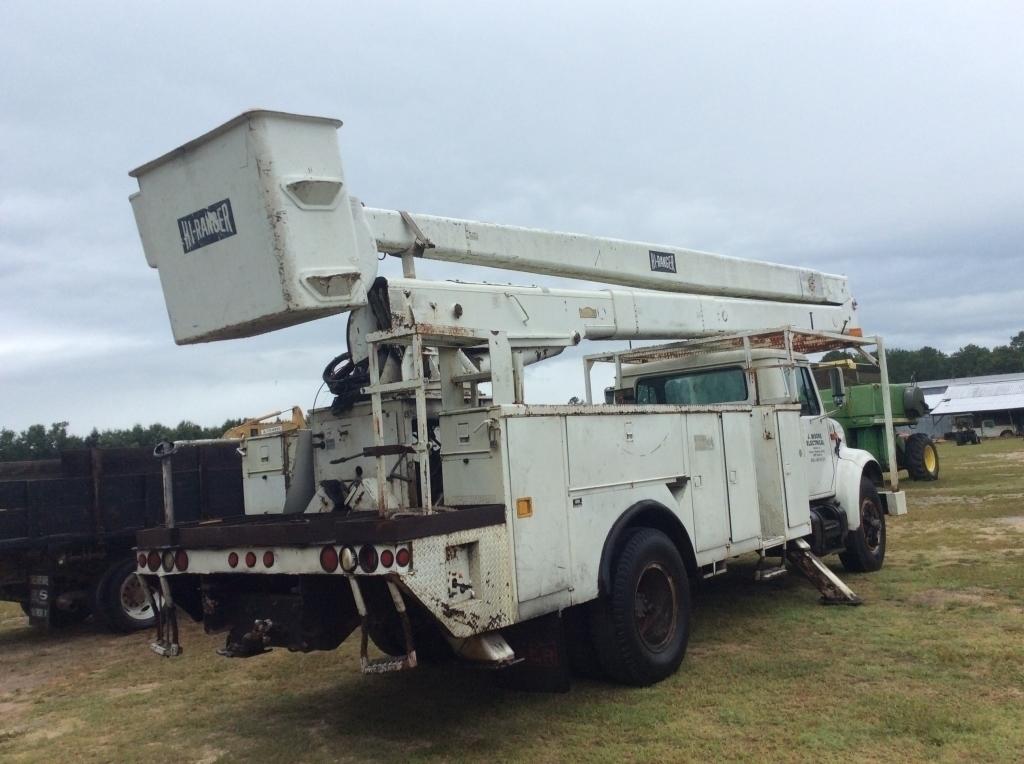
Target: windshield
[694, 387]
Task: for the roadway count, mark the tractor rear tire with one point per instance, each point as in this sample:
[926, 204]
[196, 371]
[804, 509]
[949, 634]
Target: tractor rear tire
[865, 546]
[921, 457]
[641, 626]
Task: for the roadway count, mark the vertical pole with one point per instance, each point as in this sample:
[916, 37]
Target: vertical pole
[423, 428]
[588, 366]
[890, 442]
[168, 476]
[378, 427]
[517, 377]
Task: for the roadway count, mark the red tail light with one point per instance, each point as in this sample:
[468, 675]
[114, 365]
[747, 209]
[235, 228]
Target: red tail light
[387, 558]
[233, 559]
[403, 557]
[368, 558]
[142, 560]
[153, 561]
[181, 560]
[250, 559]
[268, 559]
[329, 559]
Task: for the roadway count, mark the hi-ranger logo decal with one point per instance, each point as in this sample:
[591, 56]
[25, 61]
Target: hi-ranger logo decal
[206, 226]
[663, 261]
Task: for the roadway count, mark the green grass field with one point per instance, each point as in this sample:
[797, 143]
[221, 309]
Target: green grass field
[931, 667]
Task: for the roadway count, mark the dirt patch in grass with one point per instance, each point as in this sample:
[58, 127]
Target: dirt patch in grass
[972, 597]
[1014, 521]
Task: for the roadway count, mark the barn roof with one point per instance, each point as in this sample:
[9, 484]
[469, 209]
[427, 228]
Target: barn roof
[986, 396]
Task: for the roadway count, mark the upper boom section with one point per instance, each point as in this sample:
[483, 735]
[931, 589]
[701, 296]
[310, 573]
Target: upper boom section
[252, 228]
[607, 261]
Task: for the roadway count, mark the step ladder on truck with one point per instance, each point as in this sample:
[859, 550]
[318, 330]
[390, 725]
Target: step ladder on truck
[432, 508]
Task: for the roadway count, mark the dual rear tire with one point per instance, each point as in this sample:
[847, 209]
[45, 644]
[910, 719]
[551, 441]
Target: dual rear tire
[120, 601]
[639, 629]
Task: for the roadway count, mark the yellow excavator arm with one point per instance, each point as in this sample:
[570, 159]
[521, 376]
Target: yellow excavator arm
[264, 425]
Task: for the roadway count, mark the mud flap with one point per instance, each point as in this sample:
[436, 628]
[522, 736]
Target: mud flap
[542, 663]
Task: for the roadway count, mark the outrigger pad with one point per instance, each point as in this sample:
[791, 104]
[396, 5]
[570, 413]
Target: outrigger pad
[542, 662]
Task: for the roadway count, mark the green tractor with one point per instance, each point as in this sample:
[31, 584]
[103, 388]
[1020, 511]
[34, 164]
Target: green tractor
[858, 408]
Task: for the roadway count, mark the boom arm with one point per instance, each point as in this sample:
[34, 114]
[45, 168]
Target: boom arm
[252, 228]
[608, 261]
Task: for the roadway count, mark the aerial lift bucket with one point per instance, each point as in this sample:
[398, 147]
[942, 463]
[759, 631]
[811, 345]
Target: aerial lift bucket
[252, 228]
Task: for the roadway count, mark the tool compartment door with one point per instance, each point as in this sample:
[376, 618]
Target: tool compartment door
[794, 473]
[538, 472]
[741, 476]
[707, 481]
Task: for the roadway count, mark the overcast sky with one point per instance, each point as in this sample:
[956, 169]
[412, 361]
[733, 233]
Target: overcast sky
[881, 140]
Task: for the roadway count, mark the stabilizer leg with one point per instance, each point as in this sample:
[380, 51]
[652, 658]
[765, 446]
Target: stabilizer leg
[833, 590]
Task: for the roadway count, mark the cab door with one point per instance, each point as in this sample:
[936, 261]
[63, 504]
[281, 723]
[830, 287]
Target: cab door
[819, 449]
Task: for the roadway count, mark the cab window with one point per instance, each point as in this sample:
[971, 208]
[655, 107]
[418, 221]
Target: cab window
[805, 392]
[694, 388]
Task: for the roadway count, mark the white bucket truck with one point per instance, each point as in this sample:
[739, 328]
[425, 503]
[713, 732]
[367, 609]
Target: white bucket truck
[440, 517]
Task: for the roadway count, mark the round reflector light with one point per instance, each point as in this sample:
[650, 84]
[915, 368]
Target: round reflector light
[153, 561]
[233, 559]
[387, 558]
[403, 557]
[250, 559]
[142, 560]
[168, 560]
[181, 560]
[329, 559]
[368, 558]
[268, 559]
[348, 559]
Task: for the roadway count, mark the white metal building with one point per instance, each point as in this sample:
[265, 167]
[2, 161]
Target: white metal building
[995, 404]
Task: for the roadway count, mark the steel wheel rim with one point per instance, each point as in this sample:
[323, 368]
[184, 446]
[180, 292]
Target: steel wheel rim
[655, 607]
[930, 460]
[134, 602]
[871, 522]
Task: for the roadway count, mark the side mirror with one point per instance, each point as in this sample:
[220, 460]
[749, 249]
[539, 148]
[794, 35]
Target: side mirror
[838, 383]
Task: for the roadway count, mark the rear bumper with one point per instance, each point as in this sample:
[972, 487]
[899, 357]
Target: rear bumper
[456, 564]
[317, 530]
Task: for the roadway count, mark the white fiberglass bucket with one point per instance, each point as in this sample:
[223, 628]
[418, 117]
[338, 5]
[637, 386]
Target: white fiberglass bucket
[252, 229]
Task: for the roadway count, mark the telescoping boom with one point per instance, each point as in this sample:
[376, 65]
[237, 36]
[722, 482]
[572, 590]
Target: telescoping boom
[253, 228]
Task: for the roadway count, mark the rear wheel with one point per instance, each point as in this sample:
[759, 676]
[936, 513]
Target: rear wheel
[640, 628]
[121, 602]
[865, 546]
[921, 458]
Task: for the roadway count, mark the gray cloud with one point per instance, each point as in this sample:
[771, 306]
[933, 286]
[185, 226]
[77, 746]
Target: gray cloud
[881, 140]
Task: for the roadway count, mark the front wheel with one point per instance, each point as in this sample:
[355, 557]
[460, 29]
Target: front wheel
[865, 546]
[640, 628]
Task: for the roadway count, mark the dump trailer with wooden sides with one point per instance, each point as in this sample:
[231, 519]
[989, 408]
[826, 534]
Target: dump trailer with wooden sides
[68, 525]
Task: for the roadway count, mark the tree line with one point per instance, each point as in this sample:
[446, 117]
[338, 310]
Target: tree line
[42, 442]
[928, 363]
